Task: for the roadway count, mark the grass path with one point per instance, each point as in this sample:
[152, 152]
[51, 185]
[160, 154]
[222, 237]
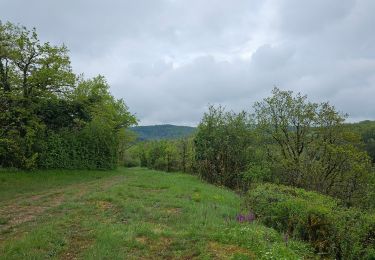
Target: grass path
[128, 214]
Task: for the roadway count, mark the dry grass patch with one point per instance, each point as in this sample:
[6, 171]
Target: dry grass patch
[78, 242]
[104, 205]
[173, 211]
[29, 210]
[221, 251]
[142, 240]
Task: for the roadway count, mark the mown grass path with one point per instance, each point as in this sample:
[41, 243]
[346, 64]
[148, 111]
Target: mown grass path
[128, 214]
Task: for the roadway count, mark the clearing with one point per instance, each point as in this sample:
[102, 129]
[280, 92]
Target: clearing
[130, 213]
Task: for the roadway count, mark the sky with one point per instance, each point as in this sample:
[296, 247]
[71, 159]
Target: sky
[170, 59]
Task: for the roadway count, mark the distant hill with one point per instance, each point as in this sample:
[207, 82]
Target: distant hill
[155, 132]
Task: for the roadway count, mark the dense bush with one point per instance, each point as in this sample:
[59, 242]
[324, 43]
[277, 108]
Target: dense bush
[222, 143]
[332, 230]
[93, 147]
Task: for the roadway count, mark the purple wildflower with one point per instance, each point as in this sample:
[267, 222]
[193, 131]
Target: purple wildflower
[241, 218]
[250, 218]
[245, 218]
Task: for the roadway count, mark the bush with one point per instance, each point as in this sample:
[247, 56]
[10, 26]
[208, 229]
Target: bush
[222, 146]
[129, 160]
[331, 229]
[94, 147]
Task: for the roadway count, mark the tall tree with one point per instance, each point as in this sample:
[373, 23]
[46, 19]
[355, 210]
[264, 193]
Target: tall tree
[307, 143]
[29, 72]
[48, 116]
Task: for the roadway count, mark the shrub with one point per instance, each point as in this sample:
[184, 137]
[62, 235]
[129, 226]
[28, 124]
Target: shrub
[331, 229]
[129, 160]
[222, 143]
[94, 147]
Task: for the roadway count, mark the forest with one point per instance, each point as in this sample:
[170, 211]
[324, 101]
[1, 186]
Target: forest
[297, 166]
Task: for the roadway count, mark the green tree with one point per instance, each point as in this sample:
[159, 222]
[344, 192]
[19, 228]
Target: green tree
[29, 72]
[222, 145]
[308, 146]
[49, 117]
[186, 154]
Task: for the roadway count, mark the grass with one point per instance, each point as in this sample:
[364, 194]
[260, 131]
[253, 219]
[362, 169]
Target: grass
[128, 214]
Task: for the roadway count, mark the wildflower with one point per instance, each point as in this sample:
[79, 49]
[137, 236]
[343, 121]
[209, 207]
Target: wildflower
[241, 218]
[250, 217]
[245, 218]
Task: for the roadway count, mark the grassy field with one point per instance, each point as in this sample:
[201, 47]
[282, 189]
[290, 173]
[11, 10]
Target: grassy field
[128, 214]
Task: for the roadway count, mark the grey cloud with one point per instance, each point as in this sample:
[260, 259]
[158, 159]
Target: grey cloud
[304, 17]
[169, 59]
[267, 57]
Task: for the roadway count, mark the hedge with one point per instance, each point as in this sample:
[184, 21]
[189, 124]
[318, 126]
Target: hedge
[333, 231]
[90, 148]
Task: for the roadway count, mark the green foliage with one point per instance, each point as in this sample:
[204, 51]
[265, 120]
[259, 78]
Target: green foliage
[167, 155]
[366, 129]
[93, 147]
[102, 106]
[127, 139]
[308, 146]
[49, 117]
[256, 173]
[369, 198]
[222, 144]
[332, 230]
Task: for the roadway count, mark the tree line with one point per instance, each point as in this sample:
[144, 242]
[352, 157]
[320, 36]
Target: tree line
[51, 117]
[287, 140]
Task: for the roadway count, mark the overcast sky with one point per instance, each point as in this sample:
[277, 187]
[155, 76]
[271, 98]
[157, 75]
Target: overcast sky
[169, 59]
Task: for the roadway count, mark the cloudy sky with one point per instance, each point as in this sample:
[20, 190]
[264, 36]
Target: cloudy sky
[169, 59]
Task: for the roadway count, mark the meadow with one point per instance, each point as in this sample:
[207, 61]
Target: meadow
[129, 213]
